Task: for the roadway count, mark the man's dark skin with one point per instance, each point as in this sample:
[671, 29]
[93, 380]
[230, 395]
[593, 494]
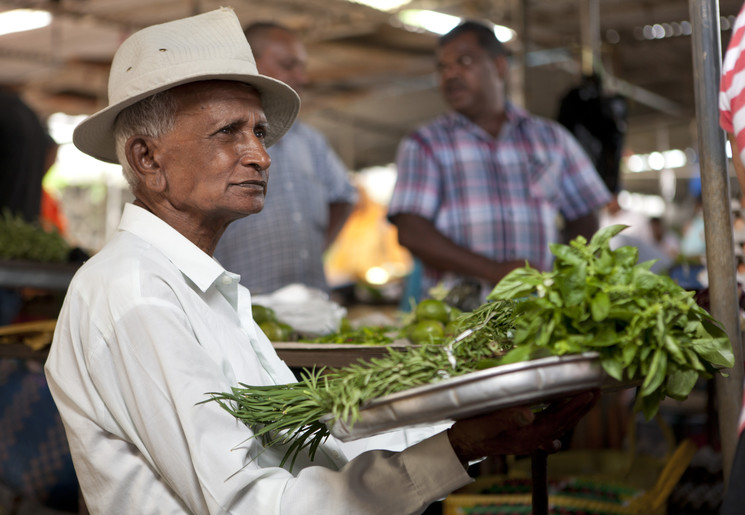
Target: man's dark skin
[473, 83]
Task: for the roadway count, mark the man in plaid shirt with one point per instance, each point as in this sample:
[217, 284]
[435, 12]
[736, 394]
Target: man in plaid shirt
[487, 186]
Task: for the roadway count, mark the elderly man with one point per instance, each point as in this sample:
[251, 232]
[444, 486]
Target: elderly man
[152, 322]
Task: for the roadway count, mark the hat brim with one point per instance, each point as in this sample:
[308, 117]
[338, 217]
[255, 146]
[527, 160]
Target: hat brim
[95, 134]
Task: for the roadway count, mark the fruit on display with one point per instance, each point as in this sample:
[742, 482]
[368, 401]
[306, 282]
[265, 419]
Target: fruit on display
[432, 309]
[263, 314]
[426, 331]
[274, 331]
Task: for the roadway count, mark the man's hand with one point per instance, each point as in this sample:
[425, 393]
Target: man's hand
[518, 430]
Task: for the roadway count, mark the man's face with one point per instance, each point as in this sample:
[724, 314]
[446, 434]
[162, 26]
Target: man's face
[214, 163]
[471, 81]
[283, 57]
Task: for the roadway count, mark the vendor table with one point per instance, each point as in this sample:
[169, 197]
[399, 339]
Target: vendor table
[46, 276]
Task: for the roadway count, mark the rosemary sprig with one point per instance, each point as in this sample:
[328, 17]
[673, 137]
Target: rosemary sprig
[290, 414]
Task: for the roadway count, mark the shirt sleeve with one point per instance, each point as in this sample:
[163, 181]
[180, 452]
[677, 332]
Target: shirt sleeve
[331, 169]
[582, 189]
[417, 189]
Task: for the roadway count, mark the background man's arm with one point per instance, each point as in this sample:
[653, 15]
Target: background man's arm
[433, 248]
[338, 214]
[586, 226]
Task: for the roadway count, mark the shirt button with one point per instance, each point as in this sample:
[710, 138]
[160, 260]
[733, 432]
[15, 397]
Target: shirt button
[226, 280]
[304, 254]
[297, 217]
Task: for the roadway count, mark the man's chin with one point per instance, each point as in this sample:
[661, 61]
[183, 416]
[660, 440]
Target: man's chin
[256, 208]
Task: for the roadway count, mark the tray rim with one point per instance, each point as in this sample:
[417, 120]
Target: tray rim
[480, 375]
[342, 430]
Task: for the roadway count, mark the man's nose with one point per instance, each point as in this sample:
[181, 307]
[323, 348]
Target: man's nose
[256, 155]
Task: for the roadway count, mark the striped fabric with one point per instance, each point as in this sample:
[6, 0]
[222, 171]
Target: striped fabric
[732, 87]
[500, 197]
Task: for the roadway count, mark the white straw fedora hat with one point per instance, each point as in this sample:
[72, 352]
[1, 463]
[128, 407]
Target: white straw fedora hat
[204, 47]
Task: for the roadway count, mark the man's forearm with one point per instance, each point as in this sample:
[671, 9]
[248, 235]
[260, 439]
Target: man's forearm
[586, 226]
[338, 214]
[435, 249]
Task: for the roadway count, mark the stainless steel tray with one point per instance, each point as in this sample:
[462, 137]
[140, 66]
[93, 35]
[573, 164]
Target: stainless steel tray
[476, 393]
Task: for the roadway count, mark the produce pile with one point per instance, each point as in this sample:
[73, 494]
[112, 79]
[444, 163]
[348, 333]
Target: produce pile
[643, 326]
[21, 240]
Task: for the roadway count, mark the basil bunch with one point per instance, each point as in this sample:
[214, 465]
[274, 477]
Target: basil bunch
[643, 325]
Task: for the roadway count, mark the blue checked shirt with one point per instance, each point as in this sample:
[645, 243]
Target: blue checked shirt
[500, 197]
[284, 243]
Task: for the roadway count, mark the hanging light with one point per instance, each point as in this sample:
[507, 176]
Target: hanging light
[20, 20]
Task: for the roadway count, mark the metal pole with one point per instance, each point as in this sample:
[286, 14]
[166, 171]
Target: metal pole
[590, 29]
[720, 258]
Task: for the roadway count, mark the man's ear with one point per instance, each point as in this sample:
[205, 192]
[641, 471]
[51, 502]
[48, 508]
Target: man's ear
[503, 66]
[141, 153]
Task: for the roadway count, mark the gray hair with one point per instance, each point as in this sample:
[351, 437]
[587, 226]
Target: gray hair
[152, 116]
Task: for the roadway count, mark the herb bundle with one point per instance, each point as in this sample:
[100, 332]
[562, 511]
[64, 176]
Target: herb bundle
[643, 325]
[289, 414]
[22, 240]
[364, 335]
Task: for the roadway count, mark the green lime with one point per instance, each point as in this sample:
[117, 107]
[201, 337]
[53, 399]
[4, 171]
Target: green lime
[288, 332]
[426, 331]
[263, 314]
[274, 331]
[454, 313]
[452, 329]
[433, 309]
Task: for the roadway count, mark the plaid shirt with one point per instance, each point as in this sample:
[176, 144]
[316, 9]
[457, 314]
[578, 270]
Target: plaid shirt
[284, 243]
[498, 197]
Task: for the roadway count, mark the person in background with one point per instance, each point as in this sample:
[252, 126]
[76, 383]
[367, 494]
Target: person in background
[51, 215]
[152, 322]
[732, 120]
[36, 470]
[23, 159]
[638, 234]
[665, 238]
[480, 188]
[310, 197]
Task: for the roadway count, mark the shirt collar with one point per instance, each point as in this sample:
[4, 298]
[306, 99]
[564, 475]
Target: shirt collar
[199, 267]
[514, 114]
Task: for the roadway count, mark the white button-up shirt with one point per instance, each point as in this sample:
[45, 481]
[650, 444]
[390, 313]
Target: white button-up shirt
[150, 325]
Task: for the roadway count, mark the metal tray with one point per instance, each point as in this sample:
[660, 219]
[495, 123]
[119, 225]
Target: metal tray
[476, 393]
